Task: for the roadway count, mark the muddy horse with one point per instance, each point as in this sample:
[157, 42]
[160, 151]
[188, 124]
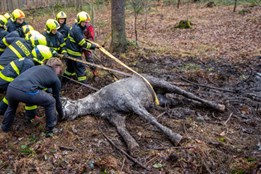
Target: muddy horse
[129, 95]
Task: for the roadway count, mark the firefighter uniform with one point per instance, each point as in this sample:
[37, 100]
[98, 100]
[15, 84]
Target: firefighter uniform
[64, 28]
[19, 48]
[9, 73]
[13, 24]
[28, 88]
[55, 41]
[3, 32]
[75, 44]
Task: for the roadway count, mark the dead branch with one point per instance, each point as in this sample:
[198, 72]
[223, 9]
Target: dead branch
[122, 151]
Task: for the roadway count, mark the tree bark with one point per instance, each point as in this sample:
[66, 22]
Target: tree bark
[235, 6]
[118, 42]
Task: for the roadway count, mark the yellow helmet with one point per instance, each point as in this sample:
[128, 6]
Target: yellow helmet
[3, 21]
[82, 17]
[37, 38]
[52, 24]
[17, 13]
[7, 15]
[41, 53]
[61, 15]
[27, 28]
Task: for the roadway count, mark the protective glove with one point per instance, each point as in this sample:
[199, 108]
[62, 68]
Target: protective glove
[93, 46]
[65, 55]
[55, 54]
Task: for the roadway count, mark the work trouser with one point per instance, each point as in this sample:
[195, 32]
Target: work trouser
[30, 110]
[40, 98]
[88, 57]
[75, 67]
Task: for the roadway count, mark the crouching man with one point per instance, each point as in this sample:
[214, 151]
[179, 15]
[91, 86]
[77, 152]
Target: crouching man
[29, 88]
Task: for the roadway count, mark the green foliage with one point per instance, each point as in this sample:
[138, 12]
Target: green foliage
[26, 150]
[244, 11]
[190, 67]
[238, 171]
[183, 24]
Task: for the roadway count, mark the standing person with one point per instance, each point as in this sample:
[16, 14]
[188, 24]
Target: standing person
[28, 88]
[61, 17]
[40, 54]
[54, 38]
[17, 20]
[89, 35]
[75, 44]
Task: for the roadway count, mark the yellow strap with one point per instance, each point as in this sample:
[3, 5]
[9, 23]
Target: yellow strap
[15, 68]
[5, 100]
[2, 50]
[121, 63]
[15, 51]
[29, 108]
[8, 79]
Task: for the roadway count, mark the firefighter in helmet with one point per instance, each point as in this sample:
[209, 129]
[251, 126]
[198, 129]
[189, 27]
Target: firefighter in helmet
[75, 44]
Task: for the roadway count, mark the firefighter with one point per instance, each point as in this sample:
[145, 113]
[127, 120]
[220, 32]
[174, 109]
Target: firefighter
[7, 16]
[28, 88]
[20, 48]
[40, 54]
[75, 44]
[64, 28]
[89, 34]
[21, 32]
[3, 22]
[54, 38]
[17, 20]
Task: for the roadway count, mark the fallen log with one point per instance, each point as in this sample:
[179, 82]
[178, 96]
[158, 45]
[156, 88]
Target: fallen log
[132, 94]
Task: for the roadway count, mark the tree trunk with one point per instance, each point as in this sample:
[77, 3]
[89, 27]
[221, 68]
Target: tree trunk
[235, 6]
[178, 4]
[118, 42]
[135, 28]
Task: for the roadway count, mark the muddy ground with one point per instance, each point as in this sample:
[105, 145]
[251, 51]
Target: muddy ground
[197, 60]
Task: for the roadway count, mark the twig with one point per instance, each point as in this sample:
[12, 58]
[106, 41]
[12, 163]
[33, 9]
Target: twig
[123, 162]
[122, 151]
[225, 123]
[67, 148]
[161, 114]
[206, 86]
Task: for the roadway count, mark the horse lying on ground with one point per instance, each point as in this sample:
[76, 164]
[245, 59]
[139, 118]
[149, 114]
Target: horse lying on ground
[129, 95]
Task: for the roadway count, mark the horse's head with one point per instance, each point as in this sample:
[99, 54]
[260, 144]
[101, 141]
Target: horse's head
[70, 108]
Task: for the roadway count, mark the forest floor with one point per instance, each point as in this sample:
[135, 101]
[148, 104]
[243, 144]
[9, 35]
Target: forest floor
[221, 50]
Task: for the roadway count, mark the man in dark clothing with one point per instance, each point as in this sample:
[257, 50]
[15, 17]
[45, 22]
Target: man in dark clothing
[28, 88]
[64, 28]
[20, 32]
[40, 54]
[75, 44]
[20, 48]
[17, 20]
[54, 38]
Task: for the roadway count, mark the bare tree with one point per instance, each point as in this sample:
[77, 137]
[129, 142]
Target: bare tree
[235, 6]
[118, 41]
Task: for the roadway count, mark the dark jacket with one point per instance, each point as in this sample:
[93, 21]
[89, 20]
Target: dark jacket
[64, 29]
[19, 48]
[55, 41]
[39, 78]
[14, 69]
[13, 25]
[3, 33]
[76, 41]
[4, 42]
